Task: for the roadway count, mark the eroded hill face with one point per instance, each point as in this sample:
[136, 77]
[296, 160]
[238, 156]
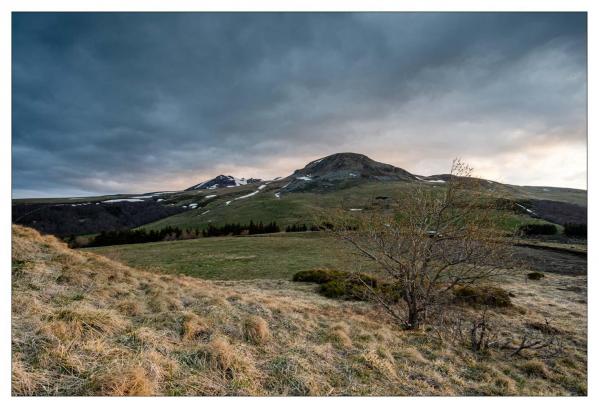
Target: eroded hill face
[85, 325]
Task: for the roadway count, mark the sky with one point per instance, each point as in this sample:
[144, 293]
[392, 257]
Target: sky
[136, 102]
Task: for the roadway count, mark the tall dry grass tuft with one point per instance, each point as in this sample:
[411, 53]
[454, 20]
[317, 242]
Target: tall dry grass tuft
[221, 355]
[125, 381]
[256, 330]
[193, 327]
[25, 381]
[340, 335]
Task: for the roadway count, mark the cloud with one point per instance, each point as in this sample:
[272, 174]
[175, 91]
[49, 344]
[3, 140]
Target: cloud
[114, 102]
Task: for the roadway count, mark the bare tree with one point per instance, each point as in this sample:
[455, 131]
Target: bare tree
[437, 235]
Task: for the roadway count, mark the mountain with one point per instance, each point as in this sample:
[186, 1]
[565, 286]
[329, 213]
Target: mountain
[341, 170]
[349, 178]
[222, 181]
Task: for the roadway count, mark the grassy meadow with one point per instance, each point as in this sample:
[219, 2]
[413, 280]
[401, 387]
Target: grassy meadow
[275, 256]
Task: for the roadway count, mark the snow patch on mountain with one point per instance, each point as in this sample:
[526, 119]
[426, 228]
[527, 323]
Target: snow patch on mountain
[120, 200]
[248, 195]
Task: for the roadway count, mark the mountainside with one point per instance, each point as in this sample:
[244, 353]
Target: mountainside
[342, 170]
[345, 179]
[64, 219]
[223, 181]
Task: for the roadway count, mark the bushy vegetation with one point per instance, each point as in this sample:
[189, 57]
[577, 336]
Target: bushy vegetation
[239, 229]
[535, 275]
[575, 230]
[106, 238]
[343, 285]
[538, 229]
[482, 295]
[300, 228]
[351, 287]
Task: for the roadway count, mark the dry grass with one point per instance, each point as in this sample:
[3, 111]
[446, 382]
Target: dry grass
[85, 325]
[256, 330]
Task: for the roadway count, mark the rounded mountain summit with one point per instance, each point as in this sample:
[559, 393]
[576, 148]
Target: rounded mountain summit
[343, 169]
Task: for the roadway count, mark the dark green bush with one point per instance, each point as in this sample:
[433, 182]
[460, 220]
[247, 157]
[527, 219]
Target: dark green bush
[336, 289]
[535, 276]
[343, 285]
[482, 295]
[575, 230]
[538, 229]
[390, 292]
[349, 287]
[345, 289]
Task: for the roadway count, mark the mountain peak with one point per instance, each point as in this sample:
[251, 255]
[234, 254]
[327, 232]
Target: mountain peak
[223, 181]
[344, 168]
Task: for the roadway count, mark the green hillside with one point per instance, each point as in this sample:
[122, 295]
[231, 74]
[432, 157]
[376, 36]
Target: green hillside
[303, 207]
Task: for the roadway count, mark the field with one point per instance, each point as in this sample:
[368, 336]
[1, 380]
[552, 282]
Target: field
[279, 256]
[85, 325]
[276, 256]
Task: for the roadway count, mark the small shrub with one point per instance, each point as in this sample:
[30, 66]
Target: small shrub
[535, 275]
[337, 289]
[575, 230]
[538, 229]
[390, 292]
[482, 295]
[343, 285]
[318, 275]
[349, 288]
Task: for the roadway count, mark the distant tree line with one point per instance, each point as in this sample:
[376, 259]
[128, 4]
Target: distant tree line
[301, 228]
[106, 238]
[139, 236]
[240, 229]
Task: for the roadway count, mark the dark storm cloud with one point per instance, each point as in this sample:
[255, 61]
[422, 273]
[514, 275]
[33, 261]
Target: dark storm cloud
[131, 102]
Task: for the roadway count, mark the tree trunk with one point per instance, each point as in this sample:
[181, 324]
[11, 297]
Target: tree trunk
[413, 322]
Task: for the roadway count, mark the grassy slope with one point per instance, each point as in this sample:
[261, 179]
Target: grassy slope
[85, 325]
[567, 195]
[300, 207]
[277, 256]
